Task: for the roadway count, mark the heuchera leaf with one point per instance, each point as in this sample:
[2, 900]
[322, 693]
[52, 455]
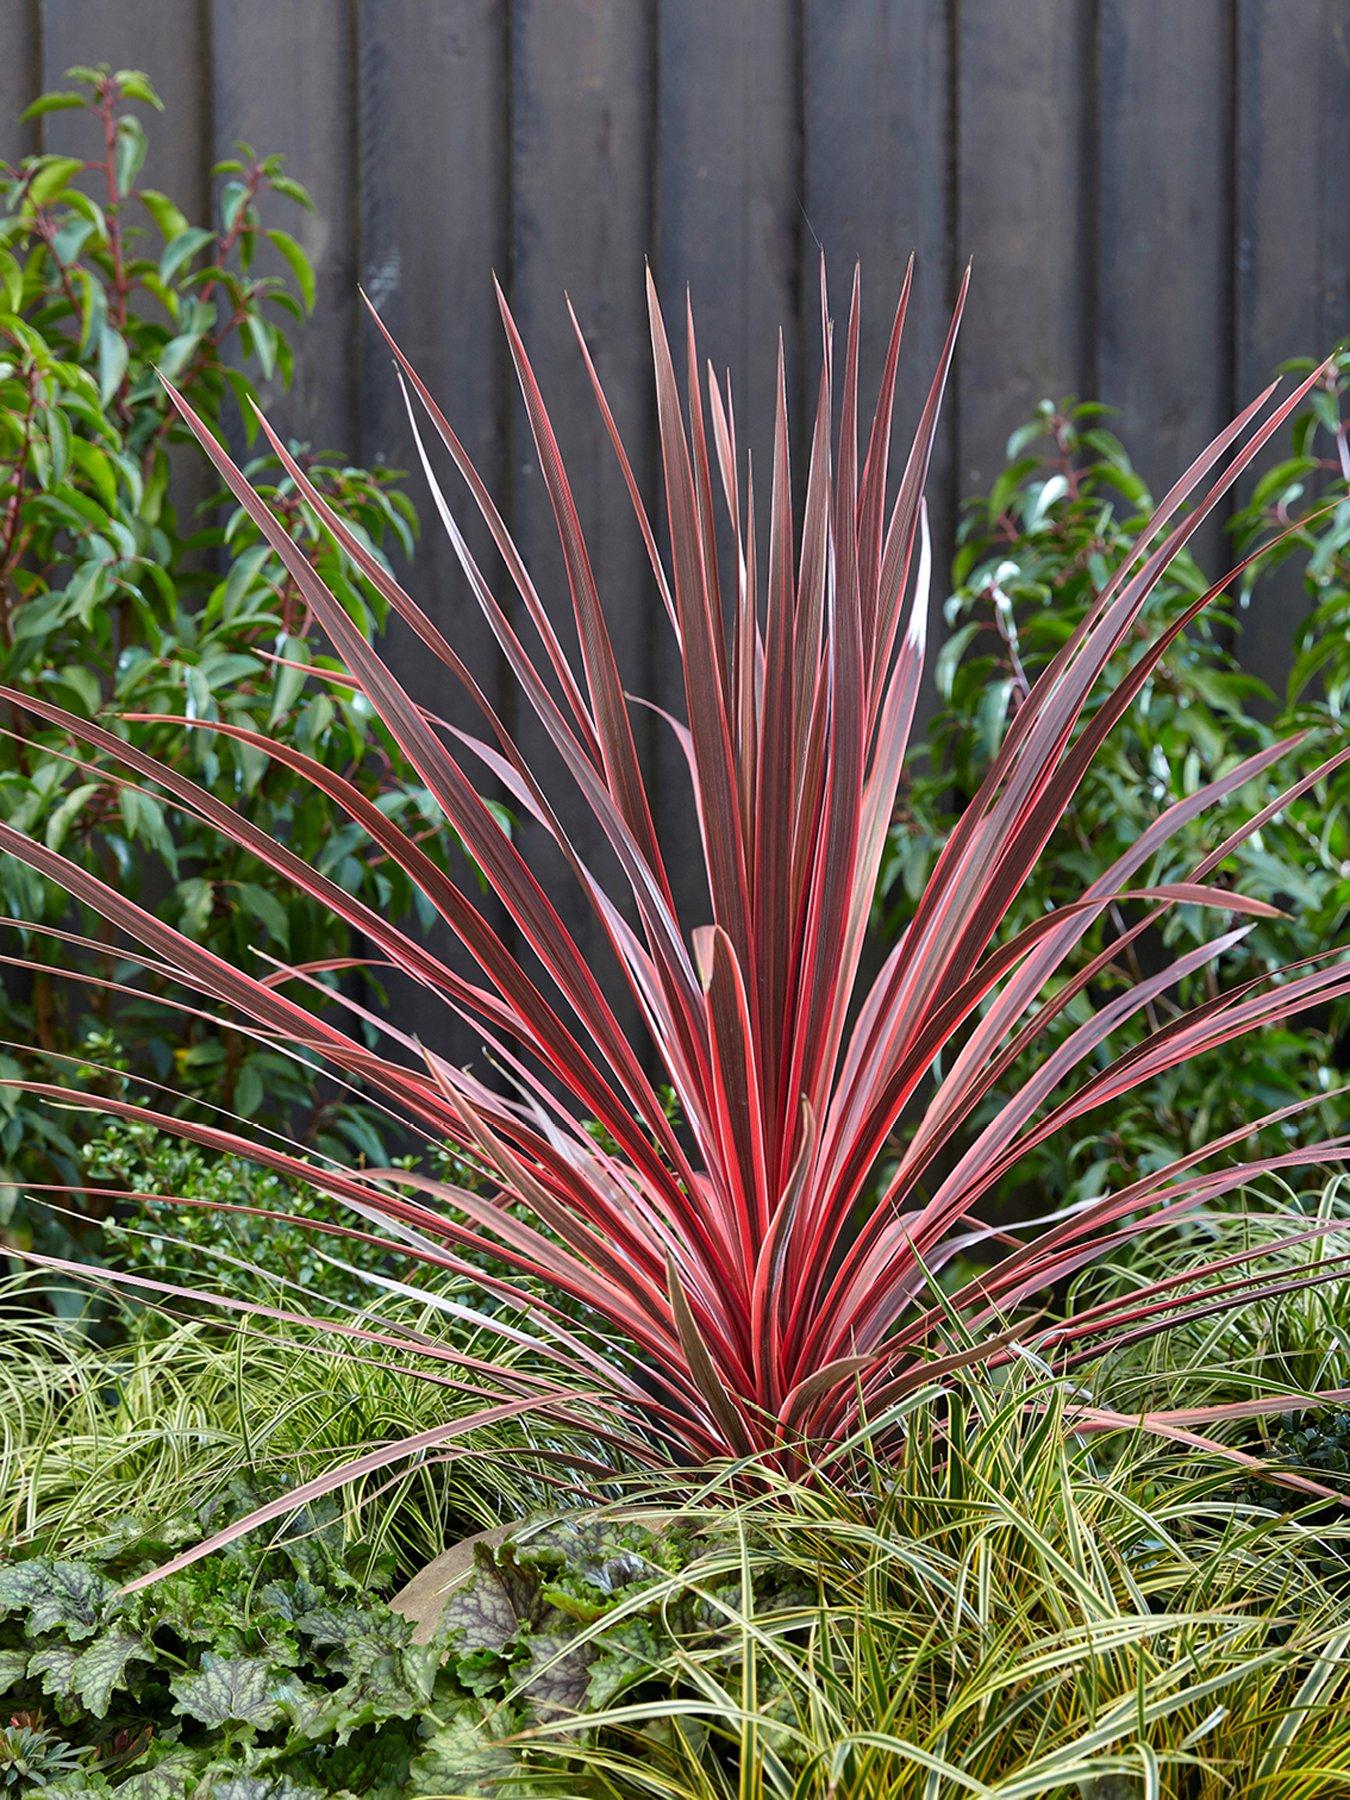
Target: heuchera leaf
[765, 1289]
[229, 1690]
[486, 1613]
[556, 1673]
[56, 1664]
[90, 1675]
[516, 1627]
[13, 1668]
[460, 1757]
[65, 1596]
[264, 1787]
[170, 1779]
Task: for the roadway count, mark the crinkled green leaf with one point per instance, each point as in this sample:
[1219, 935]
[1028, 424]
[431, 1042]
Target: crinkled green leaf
[293, 1600]
[626, 1653]
[90, 1674]
[65, 1596]
[13, 1667]
[461, 1756]
[239, 1689]
[556, 1675]
[263, 1787]
[485, 1613]
[103, 1665]
[56, 1664]
[173, 1778]
[384, 1682]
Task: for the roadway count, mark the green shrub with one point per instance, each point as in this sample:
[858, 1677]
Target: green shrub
[123, 590]
[1033, 554]
[159, 1238]
[180, 1213]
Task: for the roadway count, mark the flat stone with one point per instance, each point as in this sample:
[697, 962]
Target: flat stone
[423, 1599]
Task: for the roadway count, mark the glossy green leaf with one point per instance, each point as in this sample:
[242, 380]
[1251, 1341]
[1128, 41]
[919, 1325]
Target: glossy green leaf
[53, 174]
[298, 262]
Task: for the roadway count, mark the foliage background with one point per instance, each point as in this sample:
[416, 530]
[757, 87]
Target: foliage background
[1147, 228]
[1032, 554]
[129, 588]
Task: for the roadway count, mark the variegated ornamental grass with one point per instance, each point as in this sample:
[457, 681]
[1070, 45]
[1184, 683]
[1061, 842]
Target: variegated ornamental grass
[764, 1294]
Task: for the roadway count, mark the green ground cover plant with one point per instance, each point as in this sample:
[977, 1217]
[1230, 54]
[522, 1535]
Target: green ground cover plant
[1003, 1610]
[1003, 1603]
[178, 1410]
[273, 1673]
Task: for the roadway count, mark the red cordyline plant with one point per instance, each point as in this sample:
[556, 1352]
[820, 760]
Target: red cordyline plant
[763, 1298]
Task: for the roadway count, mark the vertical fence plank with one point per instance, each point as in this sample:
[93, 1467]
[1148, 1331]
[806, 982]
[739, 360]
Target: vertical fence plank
[729, 220]
[20, 79]
[1293, 233]
[282, 81]
[876, 89]
[729, 225]
[1165, 244]
[581, 97]
[433, 197]
[1024, 200]
[432, 99]
[167, 39]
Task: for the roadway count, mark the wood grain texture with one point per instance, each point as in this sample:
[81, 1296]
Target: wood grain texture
[1023, 214]
[432, 100]
[730, 229]
[1292, 132]
[729, 191]
[283, 81]
[170, 41]
[582, 226]
[1165, 239]
[20, 78]
[877, 195]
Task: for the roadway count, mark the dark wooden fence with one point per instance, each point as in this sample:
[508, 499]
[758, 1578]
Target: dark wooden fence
[1156, 195]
